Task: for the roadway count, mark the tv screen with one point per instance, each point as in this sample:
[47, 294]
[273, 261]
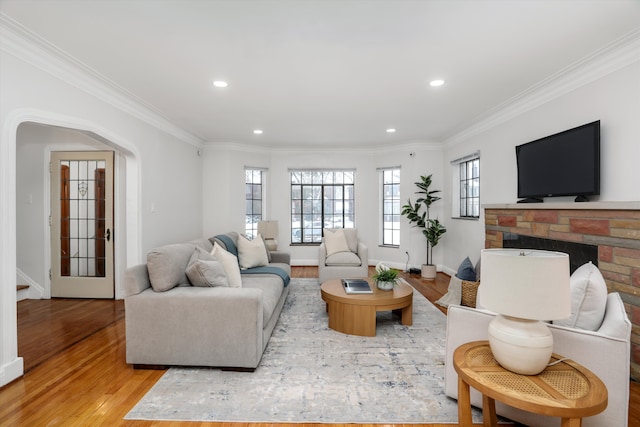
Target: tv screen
[563, 164]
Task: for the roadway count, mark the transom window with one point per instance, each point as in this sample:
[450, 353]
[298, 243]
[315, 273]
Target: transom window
[321, 199]
[390, 206]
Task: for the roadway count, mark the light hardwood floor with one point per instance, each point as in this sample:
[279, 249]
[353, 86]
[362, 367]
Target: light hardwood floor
[76, 375]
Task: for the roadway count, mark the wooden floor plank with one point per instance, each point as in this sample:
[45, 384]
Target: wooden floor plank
[77, 375]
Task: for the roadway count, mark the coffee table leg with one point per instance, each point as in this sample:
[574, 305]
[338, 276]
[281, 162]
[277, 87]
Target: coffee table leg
[571, 422]
[489, 417]
[407, 315]
[464, 404]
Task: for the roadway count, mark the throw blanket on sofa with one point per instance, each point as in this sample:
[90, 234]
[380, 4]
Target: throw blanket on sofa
[269, 270]
[229, 244]
[232, 248]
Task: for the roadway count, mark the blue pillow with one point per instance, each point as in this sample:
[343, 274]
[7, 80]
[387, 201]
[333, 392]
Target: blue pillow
[466, 271]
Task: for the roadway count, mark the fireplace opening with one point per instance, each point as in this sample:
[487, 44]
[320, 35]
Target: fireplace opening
[579, 253]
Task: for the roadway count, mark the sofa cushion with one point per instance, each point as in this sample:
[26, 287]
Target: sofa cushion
[167, 265]
[203, 243]
[272, 288]
[232, 236]
[252, 253]
[230, 265]
[205, 270]
[343, 259]
[335, 241]
[588, 299]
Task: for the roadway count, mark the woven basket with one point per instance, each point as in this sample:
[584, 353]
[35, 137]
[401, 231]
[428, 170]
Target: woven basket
[469, 293]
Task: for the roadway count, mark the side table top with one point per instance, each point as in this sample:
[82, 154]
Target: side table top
[566, 389]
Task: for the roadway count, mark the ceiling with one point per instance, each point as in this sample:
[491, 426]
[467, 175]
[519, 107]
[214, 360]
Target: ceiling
[326, 73]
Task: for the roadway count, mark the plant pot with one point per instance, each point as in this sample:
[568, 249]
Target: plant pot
[385, 286]
[428, 271]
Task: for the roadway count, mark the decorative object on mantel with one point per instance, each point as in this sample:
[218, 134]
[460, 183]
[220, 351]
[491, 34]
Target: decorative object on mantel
[524, 286]
[432, 229]
[385, 277]
[269, 232]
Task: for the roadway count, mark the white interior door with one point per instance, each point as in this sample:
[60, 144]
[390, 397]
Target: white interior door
[82, 224]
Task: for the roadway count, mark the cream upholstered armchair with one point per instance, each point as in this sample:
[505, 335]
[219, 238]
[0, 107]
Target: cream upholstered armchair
[342, 255]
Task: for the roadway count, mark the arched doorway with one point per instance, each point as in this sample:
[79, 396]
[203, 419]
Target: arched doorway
[126, 217]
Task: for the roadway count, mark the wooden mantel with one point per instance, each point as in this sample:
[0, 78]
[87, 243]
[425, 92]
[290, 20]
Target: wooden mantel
[614, 227]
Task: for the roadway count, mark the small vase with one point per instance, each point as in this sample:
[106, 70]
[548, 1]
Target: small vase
[385, 286]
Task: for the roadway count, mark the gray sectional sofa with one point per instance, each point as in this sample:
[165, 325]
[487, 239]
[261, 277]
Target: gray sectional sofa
[201, 326]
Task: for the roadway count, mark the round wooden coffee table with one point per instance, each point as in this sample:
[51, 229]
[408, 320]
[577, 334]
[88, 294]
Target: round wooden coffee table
[355, 314]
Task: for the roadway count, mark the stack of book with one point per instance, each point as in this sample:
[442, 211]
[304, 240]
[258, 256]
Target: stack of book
[356, 286]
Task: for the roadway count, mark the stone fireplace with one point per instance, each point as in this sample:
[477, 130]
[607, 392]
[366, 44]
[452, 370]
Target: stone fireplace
[610, 229]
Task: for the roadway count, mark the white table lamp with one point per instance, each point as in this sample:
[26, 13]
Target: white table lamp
[524, 286]
[269, 231]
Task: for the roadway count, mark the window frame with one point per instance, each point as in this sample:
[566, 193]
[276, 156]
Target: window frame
[466, 187]
[394, 200]
[251, 227]
[309, 216]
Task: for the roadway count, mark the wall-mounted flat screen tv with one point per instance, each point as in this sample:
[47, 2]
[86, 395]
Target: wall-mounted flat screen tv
[563, 164]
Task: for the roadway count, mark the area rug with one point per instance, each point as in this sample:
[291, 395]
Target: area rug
[312, 374]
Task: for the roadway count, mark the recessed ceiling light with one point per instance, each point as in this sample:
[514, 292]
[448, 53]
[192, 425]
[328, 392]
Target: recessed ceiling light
[258, 131]
[220, 83]
[391, 130]
[436, 83]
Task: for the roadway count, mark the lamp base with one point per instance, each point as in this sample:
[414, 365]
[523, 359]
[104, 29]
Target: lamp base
[520, 345]
[271, 244]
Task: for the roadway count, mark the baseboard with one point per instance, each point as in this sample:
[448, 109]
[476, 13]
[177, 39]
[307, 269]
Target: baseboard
[35, 291]
[11, 371]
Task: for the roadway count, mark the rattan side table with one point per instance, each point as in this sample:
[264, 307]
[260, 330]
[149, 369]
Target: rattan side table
[567, 389]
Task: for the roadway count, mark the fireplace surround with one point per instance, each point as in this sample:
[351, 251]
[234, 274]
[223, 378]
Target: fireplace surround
[606, 231]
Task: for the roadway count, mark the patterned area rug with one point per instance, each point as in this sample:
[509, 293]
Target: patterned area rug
[310, 373]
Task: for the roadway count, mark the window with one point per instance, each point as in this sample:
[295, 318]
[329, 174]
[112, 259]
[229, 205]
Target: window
[390, 206]
[467, 184]
[320, 199]
[253, 180]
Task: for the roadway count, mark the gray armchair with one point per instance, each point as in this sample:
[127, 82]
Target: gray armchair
[351, 262]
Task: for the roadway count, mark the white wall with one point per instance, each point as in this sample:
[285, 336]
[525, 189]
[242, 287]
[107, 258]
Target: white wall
[223, 187]
[613, 99]
[163, 169]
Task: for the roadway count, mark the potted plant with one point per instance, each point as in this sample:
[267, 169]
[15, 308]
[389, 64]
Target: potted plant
[432, 229]
[385, 277]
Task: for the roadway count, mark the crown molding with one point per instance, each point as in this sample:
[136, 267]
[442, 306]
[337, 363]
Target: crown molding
[413, 145]
[18, 41]
[420, 145]
[617, 55]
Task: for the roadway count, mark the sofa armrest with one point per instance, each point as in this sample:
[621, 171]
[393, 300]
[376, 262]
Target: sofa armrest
[363, 253]
[280, 257]
[136, 279]
[195, 326]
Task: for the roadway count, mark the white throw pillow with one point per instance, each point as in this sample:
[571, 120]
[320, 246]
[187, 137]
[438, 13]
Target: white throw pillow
[588, 299]
[335, 241]
[230, 264]
[252, 253]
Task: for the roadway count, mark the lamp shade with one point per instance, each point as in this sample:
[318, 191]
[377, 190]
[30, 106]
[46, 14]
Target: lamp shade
[526, 283]
[268, 229]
